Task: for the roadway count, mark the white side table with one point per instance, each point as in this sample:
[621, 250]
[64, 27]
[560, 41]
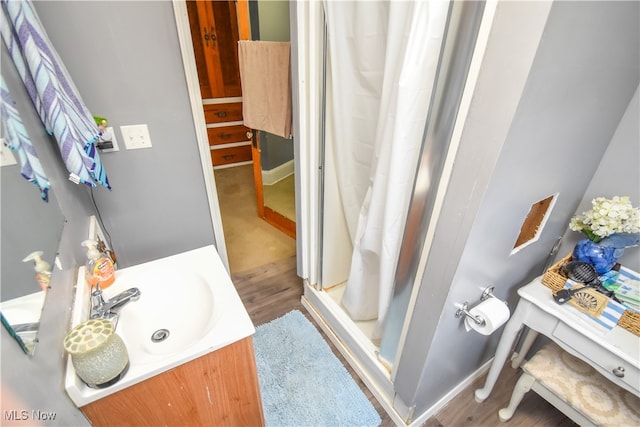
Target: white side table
[615, 354]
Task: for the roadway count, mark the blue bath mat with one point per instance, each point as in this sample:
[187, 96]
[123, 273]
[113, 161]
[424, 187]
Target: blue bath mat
[301, 381]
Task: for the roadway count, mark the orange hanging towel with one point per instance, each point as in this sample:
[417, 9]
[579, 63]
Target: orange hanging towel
[265, 75]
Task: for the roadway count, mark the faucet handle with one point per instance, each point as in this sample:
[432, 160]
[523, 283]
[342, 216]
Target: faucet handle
[97, 301]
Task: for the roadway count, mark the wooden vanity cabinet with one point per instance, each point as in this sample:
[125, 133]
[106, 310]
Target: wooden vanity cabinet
[217, 389]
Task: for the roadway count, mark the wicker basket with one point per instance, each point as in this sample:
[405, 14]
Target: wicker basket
[553, 279]
[630, 320]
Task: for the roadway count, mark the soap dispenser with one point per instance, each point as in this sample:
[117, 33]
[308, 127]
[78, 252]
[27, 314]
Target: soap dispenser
[42, 268]
[99, 268]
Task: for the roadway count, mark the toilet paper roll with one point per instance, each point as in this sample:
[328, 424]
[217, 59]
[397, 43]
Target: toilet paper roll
[494, 313]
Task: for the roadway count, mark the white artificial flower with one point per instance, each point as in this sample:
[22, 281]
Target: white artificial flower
[607, 217]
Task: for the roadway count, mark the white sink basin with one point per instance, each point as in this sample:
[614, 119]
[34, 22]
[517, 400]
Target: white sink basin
[179, 321]
[187, 300]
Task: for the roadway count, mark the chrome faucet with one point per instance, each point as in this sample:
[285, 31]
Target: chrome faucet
[111, 309]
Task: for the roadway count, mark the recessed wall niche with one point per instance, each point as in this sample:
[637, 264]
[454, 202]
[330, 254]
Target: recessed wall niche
[534, 222]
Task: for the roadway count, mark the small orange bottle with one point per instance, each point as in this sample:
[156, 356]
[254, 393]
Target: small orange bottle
[99, 267]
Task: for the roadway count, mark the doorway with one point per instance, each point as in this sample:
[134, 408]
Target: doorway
[251, 241]
[246, 187]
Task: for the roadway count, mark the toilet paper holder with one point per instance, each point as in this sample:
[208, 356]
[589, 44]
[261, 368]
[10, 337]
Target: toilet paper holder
[464, 310]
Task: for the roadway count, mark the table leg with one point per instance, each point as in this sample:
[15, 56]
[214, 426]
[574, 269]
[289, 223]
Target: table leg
[521, 388]
[509, 335]
[528, 341]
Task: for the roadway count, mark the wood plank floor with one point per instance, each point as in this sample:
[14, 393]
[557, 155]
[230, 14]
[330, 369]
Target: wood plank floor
[272, 290]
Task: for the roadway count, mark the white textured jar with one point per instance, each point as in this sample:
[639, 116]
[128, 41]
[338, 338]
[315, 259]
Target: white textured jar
[98, 354]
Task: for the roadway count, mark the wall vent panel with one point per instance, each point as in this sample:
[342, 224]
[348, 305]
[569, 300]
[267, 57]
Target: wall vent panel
[534, 222]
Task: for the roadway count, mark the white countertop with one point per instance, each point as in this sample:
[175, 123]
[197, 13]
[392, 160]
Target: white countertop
[618, 341]
[230, 323]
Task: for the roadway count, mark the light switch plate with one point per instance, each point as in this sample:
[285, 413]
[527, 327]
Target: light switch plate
[6, 155]
[135, 137]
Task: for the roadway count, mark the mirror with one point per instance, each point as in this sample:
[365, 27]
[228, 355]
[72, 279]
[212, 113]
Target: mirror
[27, 224]
[270, 22]
[278, 183]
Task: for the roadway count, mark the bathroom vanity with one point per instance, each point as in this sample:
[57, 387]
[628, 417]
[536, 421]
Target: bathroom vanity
[220, 388]
[202, 372]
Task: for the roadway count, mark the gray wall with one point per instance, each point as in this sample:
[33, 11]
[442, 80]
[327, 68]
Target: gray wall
[125, 60]
[617, 175]
[545, 109]
[274, 20]
[275, 150]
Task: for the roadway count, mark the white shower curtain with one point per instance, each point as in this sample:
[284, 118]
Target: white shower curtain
[382, 58]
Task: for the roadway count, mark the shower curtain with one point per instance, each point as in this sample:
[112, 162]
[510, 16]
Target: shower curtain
[383, 58]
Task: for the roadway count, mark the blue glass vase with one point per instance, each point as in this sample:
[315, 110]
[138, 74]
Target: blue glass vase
[602, 258]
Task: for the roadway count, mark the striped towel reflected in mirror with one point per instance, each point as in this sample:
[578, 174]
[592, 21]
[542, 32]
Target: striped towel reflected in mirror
[17, 139]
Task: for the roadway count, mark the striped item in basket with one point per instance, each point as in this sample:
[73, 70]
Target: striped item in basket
[610, 315]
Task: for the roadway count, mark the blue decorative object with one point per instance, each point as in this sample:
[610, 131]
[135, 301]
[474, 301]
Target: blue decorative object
[621, 241]
[603, 258]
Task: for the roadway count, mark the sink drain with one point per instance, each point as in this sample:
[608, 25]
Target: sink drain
[160, 335]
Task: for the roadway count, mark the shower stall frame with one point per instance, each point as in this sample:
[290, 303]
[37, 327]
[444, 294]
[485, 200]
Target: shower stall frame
[465, 40]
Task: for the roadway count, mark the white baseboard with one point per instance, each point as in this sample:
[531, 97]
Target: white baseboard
[271, 176]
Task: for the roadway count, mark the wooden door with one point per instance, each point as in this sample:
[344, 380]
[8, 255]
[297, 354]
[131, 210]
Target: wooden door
[214, 30]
